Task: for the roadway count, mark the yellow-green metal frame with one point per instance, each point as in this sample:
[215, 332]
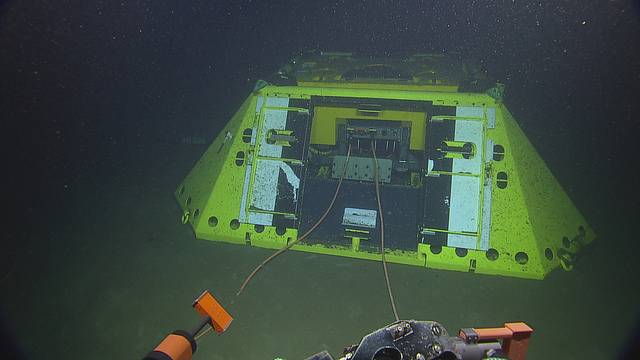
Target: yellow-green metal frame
[531, 215]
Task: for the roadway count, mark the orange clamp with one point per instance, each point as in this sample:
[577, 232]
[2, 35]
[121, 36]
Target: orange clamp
[516, 347]
[514, 336]
[207, 305]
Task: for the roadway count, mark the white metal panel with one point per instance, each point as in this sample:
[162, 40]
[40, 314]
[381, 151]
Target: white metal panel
[464, 202]
[469, 131]
[265, 184]
[461, 241]
[265, 188]
[463, 210]
[274, 119]
[491, 118]
[254, 135]
[260, 219]
[292, 179]
[488, 154]
[360, 217]
[259, 103]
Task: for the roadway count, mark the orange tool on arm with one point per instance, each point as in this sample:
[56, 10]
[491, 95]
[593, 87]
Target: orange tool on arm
[181, 344]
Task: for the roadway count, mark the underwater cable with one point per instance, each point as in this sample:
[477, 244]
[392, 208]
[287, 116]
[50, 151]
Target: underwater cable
[384, 261]
[311, 229]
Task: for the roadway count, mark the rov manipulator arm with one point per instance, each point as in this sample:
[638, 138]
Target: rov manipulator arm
[403, 339]
[427, 340]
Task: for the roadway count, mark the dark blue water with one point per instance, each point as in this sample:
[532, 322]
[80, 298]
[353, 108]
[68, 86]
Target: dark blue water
[96, 96]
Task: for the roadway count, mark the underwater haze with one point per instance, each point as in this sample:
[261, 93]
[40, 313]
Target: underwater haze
[107, 105]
